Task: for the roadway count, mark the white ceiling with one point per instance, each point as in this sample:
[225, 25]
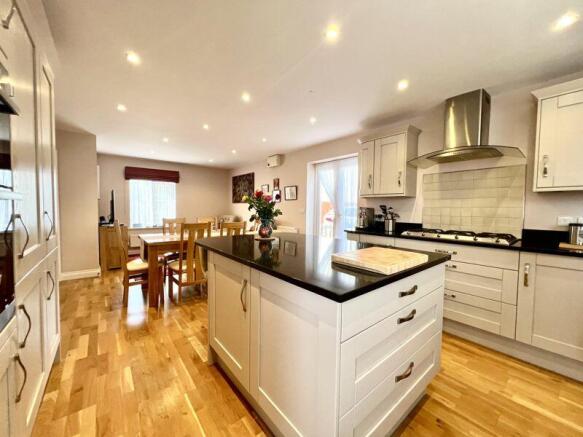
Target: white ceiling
[199, 55]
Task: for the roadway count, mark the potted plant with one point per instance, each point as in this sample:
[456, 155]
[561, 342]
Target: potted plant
[264, 210]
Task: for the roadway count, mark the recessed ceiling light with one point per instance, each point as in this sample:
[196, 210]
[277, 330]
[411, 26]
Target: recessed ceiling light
[206, 126]
[403, 85]
[121, 107]
[264, 140]
[332, 32]
[565, 21]
[133, 58]
[234, 152]
[313, 120]
[165, 139]
[211, 160]
[246, 97]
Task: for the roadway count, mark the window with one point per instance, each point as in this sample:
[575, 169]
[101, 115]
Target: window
[150, 201]
[335, 197]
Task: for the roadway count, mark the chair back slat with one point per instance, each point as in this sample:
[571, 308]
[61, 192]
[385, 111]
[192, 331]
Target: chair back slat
[121, 233]
[233, 228]
[172, 225]
[188, 257]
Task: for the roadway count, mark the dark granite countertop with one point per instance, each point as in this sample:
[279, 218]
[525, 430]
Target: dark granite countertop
[533, 240]
[305, 261]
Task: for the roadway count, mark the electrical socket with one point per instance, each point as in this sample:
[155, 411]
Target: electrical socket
[565, 220]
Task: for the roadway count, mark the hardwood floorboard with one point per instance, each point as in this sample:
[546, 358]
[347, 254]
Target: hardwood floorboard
[141, 372]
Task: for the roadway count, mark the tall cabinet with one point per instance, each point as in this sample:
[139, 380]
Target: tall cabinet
[30, 343]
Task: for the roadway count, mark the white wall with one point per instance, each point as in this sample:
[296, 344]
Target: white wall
[77, 161]
[201, 191]
[513, 123]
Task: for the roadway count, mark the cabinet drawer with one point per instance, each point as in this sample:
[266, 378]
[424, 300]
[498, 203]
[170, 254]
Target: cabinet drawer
[364, 311]
[501, 323]
[377, 239]
[484, 256]
[468, 299]
[380, 411]
[352, 236]
[481, 281]
[367, 358]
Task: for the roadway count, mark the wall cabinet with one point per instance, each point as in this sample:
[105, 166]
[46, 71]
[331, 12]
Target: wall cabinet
[550, 304]
[559, 138]
[383, 167]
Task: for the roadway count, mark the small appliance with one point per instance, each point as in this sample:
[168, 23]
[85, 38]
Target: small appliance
[365, 217]
[576, 233]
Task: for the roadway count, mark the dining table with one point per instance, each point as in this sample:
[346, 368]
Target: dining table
[152, 246]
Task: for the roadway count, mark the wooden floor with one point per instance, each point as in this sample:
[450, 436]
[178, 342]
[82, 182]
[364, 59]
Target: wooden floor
[137, 372]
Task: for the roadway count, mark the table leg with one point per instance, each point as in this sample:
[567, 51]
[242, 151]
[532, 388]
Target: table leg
[153, 277]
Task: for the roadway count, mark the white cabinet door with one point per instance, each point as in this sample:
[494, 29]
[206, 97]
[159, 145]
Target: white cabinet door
[47, 164]
[560, 143]
[30, 302]
[389, 162]
[6, 43]
[8, 389]
[229, 314]
[294, 350]
[29, 247]
[366, 168]
[51, 322]
[552, 296]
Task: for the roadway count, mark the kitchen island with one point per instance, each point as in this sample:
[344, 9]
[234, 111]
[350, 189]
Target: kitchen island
[320, 349]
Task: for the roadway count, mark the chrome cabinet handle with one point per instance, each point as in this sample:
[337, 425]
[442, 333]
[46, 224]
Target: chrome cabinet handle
[409, 292]
[447, 252]
[399, 178]
[50, 275]
[22, 345]
[244, 286]
[449, 295]
[6, 21]
[526, 273]
[52, 229]
[545, 166]
[407, 318]
[451, 266]
[19, 217]
[19, 361]
[406, 374]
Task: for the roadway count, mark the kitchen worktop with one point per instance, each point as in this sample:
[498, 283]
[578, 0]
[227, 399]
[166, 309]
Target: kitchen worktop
[305, 261]
[533, 240]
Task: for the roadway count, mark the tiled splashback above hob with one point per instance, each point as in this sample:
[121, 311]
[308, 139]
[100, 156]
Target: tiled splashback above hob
[486, 200]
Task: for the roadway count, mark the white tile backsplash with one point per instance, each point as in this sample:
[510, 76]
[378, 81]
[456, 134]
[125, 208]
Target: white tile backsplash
[486, 200]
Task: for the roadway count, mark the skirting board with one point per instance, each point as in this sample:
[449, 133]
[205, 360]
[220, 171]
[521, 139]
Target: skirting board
[533, 355]
[80, 274]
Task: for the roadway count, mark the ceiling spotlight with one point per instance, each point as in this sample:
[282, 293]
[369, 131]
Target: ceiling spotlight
[403, 85]
[565, 21]
[121, 107]
[211, 160]
[313, 120]
[206, 126]
[263, 140]
[332, 33]
[246, 97]
[165, 139]
[234, 152]
[133, 58]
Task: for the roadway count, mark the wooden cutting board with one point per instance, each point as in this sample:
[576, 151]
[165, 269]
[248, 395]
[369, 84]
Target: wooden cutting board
[380, 259]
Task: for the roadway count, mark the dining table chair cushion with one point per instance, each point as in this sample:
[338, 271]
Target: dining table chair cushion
[137, 264]
[175, 265]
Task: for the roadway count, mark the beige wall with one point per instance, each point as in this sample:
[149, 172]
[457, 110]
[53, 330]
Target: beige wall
[77, 160]
[201, 191]
[513, 123]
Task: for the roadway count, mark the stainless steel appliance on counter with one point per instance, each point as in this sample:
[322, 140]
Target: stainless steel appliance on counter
[468, 236]
[7, 198]
[576, 233]
[365, 217]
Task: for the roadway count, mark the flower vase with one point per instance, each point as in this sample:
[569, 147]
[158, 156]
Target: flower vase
[265, 229]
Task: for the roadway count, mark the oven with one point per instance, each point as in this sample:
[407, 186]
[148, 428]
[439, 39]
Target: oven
[7, 198]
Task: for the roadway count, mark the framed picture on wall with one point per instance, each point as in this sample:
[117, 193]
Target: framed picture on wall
[276, 196]
[265, 188]
[276, 184]
[290, 192]
[242, 185]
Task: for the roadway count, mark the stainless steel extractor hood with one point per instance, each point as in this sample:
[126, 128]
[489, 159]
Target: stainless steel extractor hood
[467, 125]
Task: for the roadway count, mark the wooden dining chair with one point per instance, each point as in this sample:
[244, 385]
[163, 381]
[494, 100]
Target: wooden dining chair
[187, 270]
[172, 225]
[135, 272]
[233, 228]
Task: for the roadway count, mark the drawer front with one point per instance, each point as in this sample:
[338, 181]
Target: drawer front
[377, 239]
[379, 412]
[485, 256]
[366, 359]
[501, 323]
[468, 299]
[484, 282]
[353, 237]
[364, 311]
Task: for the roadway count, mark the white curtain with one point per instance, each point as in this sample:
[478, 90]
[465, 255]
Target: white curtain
[336, 196]
[151, 201]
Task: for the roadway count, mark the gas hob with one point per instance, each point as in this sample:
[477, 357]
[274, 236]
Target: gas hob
[468, 236]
